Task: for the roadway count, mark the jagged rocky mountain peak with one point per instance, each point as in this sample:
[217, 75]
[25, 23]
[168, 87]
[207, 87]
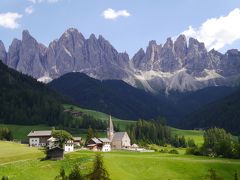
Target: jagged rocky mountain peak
[169, 43]
[183, 65]
[194, 43]
[2, 45]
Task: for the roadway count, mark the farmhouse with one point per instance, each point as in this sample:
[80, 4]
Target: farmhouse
[99, 144]
[77, 141]
[119, 140]
[39, 138]
[45, 139]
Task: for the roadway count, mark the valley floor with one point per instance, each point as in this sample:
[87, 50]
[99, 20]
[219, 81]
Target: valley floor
[22, 162]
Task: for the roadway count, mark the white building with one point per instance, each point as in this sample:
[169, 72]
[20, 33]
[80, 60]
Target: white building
[39, 138]
[119, 140]
[106, 144]
[52, 142]
[99, 144]
[69, 146]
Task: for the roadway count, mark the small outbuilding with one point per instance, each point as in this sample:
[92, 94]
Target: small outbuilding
[55, 153]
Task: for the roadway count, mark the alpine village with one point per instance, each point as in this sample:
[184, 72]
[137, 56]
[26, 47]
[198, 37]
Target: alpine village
[86, 94]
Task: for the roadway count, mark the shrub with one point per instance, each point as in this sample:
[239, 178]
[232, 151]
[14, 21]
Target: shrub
[173, 151]
[193, 151]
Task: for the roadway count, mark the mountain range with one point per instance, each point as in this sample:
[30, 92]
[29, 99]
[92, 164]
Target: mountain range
[182, 65]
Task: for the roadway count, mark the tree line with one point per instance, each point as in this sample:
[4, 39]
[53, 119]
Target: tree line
[6, 134]
[217, 143]
[156, 131]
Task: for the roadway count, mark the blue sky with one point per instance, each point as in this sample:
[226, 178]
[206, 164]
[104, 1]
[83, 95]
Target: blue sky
[127, 24]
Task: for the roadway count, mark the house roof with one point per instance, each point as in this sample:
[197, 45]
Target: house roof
[118, 136]
[52, 139]
[135, 146]
[77, 138]
[104, 140]
[39, 133]
[96, 140]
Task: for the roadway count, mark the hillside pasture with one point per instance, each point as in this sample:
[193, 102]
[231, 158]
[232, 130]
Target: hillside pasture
[102, 116]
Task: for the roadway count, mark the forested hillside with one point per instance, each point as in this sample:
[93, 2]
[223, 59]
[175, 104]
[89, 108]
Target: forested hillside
[111, 96]
[26, 101]
[224, 113]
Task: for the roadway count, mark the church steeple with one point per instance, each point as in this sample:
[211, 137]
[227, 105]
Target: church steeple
[110, 129]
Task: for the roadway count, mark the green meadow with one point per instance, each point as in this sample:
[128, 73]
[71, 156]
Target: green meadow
[196, 135]
[22, 162]
[104, 117]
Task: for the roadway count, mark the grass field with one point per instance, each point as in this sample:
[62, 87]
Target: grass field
[103, 116]
[20, 132]
[22, 162]
[196, 135]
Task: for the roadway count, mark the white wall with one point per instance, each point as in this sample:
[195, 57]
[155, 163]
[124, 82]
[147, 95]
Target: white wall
[106, 148]
[69, 147]
[34, 141]
[126, 142]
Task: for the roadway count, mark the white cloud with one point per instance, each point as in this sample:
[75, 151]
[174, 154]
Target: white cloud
[112, 14]
[9, 20]
[217, 32]
[42, 1]
[29, 10]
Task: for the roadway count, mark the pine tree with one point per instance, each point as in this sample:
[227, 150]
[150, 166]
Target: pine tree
[212, 175]
[75, 174]
[99, 172]
[62, 175]
[90, 134]
[4, 178]
[235, 176]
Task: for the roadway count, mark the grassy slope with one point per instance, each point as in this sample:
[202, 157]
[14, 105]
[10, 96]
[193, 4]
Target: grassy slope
[120, 165]
[193, 134]
[20, 132]
[103, 116]
[10, 152]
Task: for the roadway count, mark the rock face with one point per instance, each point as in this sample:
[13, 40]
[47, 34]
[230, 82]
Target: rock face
[182, 65]
[3, 53]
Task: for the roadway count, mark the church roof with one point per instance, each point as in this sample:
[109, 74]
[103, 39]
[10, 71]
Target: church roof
[118, 136]
[110, 124]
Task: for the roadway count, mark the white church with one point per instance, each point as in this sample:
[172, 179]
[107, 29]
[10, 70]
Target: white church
[114, 140]
[119, 140]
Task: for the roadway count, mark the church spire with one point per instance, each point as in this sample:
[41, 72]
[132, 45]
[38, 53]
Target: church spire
[110, 129]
